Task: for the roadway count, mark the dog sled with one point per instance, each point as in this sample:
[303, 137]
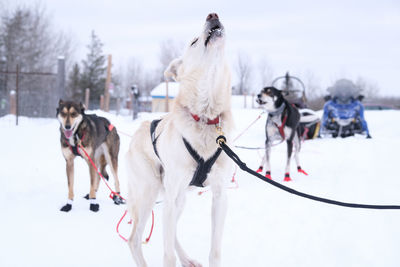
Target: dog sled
[343, 111]
[293, 90]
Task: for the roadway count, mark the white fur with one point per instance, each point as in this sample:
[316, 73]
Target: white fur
[205, 90]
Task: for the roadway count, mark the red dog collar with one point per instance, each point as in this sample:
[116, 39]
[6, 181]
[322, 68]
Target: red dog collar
[209, 122]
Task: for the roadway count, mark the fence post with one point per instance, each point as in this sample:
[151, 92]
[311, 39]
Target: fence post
[166, 97]
[102, 102]
[13, 104]
[87, 95]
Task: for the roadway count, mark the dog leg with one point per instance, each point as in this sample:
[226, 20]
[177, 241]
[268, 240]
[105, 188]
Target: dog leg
[143, 188]
[94, 182]
[260, 168]
[267, 160]
[297, 147]
[185, 260]
[70, 176]
[169, 224]
[219, 208]
[112, 161]
[289, 156]
[103, 164]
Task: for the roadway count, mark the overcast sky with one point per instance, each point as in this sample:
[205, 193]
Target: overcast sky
[330, 39]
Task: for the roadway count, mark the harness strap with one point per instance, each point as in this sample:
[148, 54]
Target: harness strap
[74, 149]
[282, 127]
[203, 167]
[153, 127]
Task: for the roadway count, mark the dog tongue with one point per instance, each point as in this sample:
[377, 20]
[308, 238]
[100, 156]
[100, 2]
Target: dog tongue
[68, 133]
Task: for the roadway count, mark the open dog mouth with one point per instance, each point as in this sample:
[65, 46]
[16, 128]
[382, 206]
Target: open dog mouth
[260, 102]
[215, 31]
[68, 133]
[215, 28]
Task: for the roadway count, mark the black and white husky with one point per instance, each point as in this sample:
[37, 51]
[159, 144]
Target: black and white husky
[282, 124]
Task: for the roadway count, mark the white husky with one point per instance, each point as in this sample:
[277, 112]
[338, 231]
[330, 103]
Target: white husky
[165, 160]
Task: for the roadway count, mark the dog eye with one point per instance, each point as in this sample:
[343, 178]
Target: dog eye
[63, 114]
[195, 40]
[74, 114]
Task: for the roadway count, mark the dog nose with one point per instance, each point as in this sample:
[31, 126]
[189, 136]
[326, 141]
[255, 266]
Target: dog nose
[259, 95]
[67, 127]
[212, 16]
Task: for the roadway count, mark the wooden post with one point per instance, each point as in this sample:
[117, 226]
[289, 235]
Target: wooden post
[245, 101]
[107, 87]
[102, 102]
[166, 97]
[87, 95]
[118, 105]
[13, 104]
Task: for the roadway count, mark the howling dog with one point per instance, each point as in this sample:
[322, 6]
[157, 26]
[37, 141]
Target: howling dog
[98, 137]
[282, 124]
[180, 150]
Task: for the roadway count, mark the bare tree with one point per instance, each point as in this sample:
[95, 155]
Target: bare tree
[28, 39]
[169, 50]
[368, 88]
[266, 73]
[243, 71]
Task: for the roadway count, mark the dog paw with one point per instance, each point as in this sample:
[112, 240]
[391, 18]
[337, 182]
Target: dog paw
[66, 208]
[94, 207]
[118, 200]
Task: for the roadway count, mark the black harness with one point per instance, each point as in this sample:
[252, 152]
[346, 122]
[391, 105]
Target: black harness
[203, 167]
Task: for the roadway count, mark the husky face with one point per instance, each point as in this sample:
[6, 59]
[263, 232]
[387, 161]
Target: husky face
[204, 51]
[70, 115]
[270, 98]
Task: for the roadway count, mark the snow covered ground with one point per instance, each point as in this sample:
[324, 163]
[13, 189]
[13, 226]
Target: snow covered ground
[264, 226]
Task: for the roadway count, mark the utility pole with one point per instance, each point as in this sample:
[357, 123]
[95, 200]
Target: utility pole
[17, 94]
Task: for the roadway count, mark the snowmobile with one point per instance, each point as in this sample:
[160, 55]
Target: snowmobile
[293, 90]
[343, 111]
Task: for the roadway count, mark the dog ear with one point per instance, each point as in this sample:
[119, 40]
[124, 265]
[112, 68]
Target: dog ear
[172, 69]
[82, 107]
[60, 102]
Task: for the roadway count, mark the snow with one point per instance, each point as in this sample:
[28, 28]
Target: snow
[264, 226]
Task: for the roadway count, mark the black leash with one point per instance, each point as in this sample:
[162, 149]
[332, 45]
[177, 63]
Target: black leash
[221, 141]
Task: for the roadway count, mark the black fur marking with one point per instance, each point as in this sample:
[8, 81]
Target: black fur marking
[194, 41]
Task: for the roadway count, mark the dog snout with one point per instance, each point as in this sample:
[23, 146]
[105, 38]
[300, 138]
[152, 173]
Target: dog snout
[67, 126]
[259, 95]
[212, 16]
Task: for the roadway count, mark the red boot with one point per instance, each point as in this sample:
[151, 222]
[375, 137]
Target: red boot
[299, 169]
[268, 175]
[260, 169]
[287, 177]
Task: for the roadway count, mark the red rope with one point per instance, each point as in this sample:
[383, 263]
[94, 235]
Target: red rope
[251, 124]
[113, 193]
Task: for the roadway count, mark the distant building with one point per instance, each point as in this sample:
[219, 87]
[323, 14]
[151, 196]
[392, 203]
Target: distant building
[159, 96]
